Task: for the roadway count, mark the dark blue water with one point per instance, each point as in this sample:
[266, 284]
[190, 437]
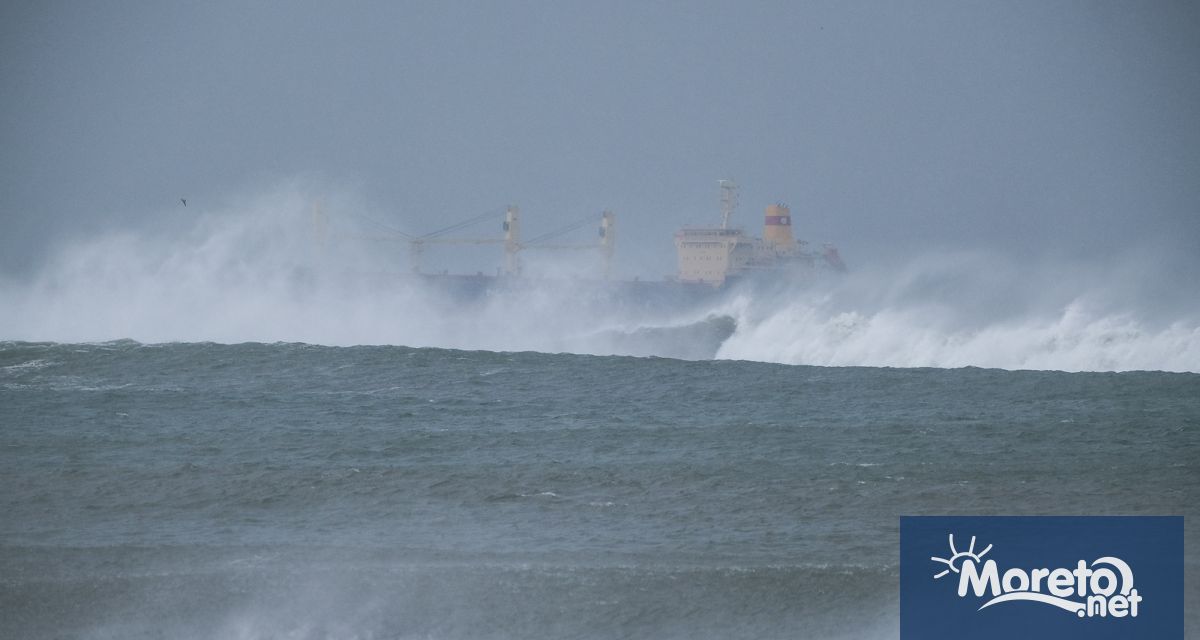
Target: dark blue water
[296, 491]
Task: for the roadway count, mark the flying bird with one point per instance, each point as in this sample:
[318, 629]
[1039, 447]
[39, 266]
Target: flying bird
[184, 201]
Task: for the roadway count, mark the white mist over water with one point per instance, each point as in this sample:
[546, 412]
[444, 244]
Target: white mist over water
[258, 272]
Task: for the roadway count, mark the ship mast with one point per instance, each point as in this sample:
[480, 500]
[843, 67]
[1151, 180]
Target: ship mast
[729, 201]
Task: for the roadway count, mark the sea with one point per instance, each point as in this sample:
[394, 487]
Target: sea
[231, 428]
[289, 490]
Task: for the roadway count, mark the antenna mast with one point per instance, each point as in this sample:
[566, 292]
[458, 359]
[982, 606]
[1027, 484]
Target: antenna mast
[729, 201]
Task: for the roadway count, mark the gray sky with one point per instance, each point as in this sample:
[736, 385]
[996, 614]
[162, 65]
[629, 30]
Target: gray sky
[892, 128]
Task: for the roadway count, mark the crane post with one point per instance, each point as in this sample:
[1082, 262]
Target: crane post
[608, 239]
[512, 240]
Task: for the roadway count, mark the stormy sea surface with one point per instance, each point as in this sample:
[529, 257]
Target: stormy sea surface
[202, 490]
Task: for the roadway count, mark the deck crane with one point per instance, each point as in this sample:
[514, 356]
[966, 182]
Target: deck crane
[606, 245]
[416, 244]
[511, 238]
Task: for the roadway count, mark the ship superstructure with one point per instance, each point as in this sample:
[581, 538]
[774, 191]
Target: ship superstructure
[716, 255]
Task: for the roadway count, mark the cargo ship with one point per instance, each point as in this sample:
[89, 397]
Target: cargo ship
[709, 259]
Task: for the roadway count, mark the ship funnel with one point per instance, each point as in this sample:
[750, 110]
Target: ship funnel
[777, 228]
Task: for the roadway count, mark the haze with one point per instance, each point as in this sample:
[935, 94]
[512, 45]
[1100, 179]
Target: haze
[1032, 129]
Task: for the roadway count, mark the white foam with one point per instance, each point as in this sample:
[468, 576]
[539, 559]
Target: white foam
[1070, 329]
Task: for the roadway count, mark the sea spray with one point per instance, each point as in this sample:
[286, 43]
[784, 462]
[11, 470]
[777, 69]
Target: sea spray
[1074, 339]
[969, 309]
[260, 271]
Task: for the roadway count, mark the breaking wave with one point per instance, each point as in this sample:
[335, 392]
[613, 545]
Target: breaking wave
[1075, 337]
[257, 273]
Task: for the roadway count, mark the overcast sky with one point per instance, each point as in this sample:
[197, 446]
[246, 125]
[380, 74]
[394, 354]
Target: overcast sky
[1031, 128]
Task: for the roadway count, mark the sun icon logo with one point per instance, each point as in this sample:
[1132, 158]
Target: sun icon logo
[957, 557]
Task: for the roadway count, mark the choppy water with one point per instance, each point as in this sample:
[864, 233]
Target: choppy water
[297, 491]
